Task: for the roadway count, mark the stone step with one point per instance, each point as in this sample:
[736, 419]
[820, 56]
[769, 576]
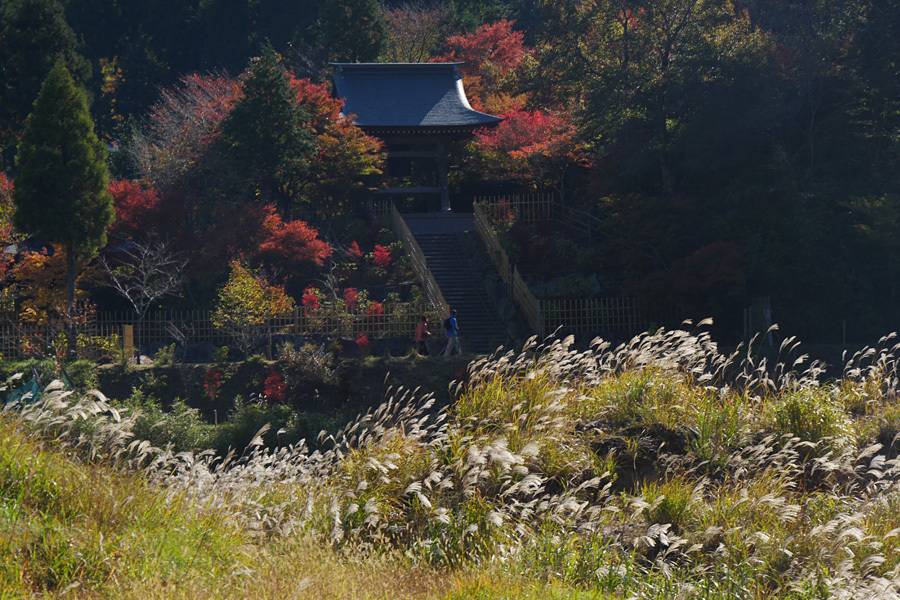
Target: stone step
[480, 328]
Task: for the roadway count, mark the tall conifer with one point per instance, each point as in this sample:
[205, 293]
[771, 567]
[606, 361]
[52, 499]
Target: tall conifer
[268, 135]
[61, 189]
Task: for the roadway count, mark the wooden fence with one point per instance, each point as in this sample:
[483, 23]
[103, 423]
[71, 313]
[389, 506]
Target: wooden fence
[195, 326]
[577, 315]
[538, 206]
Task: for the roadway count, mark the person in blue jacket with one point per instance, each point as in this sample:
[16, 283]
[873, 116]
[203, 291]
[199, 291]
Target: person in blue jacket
[452, 328]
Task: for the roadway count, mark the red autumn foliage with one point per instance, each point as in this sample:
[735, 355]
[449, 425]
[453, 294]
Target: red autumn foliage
[137, 208]
[490, 55]
[382, 256]
[363, 346]
[344, 154]
[212, 381]
[7, 233]
[181, 126]
[275, 388]
[291, 244]
[531, 146]
[351, 298]
[353, 252]
[310, 300]
[317, 100]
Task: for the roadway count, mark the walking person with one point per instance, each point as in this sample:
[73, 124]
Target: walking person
[422, 335]
[452, 328]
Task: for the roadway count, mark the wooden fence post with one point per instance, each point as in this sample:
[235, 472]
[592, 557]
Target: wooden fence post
[128, 342]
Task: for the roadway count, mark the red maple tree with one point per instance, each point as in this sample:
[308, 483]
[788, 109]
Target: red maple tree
[536, 147]
[180, 128]
[345, 155]
[137, 208]
[490, 57]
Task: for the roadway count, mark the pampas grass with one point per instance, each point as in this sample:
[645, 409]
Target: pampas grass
[659, 468]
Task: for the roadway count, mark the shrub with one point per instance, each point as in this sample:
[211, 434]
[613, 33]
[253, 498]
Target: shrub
[812, 414]
[363, 346]
[310, 364]
[212, 381]
[165, 355]
[311, 299]
[381, 256]
[275, 388]
[180, 427]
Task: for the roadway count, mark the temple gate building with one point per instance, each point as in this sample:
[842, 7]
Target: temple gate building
[417, 110]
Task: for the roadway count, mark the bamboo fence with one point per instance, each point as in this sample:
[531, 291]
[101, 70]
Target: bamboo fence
[535, 207]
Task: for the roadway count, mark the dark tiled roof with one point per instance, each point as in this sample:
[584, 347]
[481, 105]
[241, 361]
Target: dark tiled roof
[406, 95]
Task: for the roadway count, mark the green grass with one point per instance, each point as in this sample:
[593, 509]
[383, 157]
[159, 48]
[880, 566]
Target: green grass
[64, 523]
[658, 469]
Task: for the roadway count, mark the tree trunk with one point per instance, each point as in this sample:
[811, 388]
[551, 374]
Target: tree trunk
[71, 331]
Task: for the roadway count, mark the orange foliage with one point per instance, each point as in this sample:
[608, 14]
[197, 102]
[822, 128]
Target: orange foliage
[344, 154]
[291, 244]
[40, 283]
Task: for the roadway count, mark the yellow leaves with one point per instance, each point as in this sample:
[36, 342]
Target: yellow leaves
[248, 299]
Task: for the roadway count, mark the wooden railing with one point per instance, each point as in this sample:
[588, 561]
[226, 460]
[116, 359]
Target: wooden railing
[519, 291]
[578, 315]
[432, 290]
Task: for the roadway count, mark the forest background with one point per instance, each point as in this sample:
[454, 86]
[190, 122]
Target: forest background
[734, 150]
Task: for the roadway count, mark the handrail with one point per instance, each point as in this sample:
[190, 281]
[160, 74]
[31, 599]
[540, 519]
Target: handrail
[577, 314]
[420, 264]
[519, 291]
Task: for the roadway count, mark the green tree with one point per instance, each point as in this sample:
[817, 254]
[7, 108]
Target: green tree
[34, 35]
[268, 137]
[351, 30]
[61, 189]
[639, 74]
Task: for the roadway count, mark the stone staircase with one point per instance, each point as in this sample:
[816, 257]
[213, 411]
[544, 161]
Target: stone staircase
[481, 330]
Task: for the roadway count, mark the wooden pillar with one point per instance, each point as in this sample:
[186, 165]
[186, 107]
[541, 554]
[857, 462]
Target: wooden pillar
[442, 176]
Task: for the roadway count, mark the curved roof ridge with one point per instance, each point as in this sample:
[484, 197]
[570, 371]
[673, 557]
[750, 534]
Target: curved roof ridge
[406, 95]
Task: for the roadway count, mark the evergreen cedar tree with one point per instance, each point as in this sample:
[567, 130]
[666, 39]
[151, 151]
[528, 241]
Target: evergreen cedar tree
[61, 188]
[34, 35]
[351, 30]
[268, 135]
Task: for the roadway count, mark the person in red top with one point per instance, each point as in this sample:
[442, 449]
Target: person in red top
[422, 335]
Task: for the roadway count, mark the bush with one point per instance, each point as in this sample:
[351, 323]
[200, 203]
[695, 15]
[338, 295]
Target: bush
[284, 426]
[182, 427]
[308, 365]
[812, 415]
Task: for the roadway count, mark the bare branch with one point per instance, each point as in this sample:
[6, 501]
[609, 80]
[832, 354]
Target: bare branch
[145, 273]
